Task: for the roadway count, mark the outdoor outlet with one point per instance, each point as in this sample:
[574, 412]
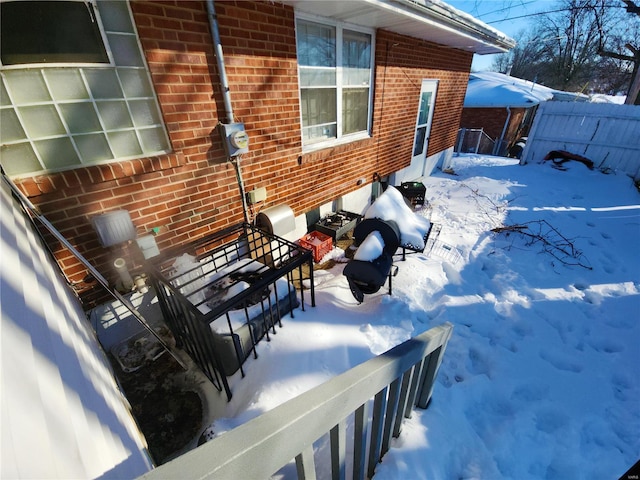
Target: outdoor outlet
[257, 195]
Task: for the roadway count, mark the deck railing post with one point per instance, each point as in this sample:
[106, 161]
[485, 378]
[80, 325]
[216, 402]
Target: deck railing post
[394, 380]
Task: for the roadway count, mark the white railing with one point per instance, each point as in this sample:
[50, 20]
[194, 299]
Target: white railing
[393, 383]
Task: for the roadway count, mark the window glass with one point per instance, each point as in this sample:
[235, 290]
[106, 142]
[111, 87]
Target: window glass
[317, 77]
[125, 47]
[124, 144]
[4, 96]
[316, 45]
[11, 128]
[19, 158]
[104, 83]
[144, 113]
[80, 117]
[153, 139]
[318, 106]
[27, 86]
[93, 148]
[114, 115]
[355, 112]
[57, 152]
[41, 121]
[319, 133]
[135, 82]
[38, 32]
[335, 99]
[57, 117]
[425, 106]
[418, 148]
[115, 17]
[66, 84]
[356, 58]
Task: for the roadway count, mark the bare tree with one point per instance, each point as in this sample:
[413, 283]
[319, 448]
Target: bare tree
[572, 51]
[523, 59]
[616, 49]
[579, 45]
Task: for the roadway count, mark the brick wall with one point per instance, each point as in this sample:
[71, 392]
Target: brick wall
[194, 190]
[492, 121]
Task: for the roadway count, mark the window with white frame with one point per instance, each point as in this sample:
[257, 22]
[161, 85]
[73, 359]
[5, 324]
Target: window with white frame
[335, 71]
[65, 106]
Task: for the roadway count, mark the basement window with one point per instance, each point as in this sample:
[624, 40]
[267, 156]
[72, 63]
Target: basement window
[79, 93]
[335, 72]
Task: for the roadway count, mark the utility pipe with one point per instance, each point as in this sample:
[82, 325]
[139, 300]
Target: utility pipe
[226, 96]
[222, 72]
[496, 148]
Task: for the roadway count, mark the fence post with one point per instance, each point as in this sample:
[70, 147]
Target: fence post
[461, 134]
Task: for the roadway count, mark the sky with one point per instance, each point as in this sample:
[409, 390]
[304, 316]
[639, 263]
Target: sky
[539, 379]
[507, 16]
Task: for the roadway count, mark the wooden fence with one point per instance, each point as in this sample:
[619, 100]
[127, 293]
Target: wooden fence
[607, 134]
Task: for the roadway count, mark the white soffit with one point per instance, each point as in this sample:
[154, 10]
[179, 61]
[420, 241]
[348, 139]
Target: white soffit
[429, 20]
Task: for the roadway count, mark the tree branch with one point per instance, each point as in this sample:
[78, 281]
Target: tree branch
[552, 241]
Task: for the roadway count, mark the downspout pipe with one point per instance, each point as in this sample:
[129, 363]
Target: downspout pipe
[498, 145]
[226, 96]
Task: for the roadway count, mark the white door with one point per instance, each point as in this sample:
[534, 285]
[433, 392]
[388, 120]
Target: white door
[423, 121]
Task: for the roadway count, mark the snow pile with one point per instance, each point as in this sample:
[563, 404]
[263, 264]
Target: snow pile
[540, 378]
[391, 206]
[370, 248]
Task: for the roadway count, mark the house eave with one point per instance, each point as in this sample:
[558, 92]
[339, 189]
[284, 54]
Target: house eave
[430, 20]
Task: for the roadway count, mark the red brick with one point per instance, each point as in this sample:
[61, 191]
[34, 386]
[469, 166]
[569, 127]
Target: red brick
[193, 190]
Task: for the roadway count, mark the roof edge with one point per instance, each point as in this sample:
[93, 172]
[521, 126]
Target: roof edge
[462, 22]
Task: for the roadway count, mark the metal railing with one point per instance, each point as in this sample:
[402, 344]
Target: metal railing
[372, 398]
[199, 308]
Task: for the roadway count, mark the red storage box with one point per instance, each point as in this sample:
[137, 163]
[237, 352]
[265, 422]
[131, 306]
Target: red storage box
[319, 243]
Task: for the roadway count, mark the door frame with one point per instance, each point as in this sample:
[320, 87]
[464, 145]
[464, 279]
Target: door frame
[427, 85]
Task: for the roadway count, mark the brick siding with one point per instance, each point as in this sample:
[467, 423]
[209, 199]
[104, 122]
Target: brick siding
[194, 190]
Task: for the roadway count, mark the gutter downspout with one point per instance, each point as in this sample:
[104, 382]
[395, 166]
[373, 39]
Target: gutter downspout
[226, 96]
[496, 148]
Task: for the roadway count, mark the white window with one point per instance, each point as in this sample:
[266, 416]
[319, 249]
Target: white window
[63, 105]
[335, 72]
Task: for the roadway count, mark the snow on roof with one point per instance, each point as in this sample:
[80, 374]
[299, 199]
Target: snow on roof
[492, 89]
[466, 17]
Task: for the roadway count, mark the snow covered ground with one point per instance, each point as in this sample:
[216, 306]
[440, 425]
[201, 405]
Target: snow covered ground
[541, 377]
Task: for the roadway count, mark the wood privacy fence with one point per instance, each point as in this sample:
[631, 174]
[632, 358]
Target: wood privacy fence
[393, 383]
[607, 134]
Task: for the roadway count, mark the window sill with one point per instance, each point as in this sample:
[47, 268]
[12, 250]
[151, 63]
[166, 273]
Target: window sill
[314, 147]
